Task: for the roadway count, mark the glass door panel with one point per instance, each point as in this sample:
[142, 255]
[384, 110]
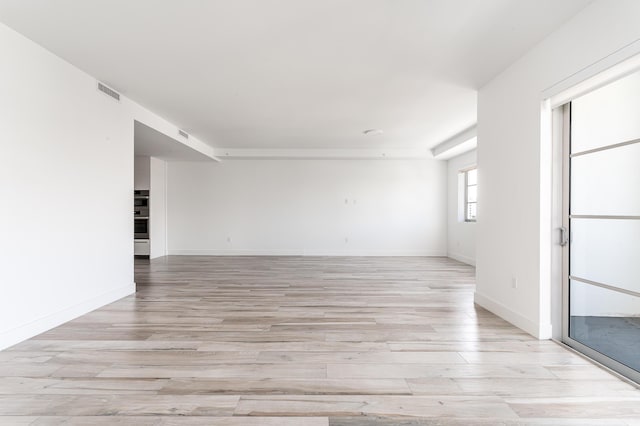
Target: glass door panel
[606, 251]
[606, 116]
[606, 182]
[606, 321]
[603, 215]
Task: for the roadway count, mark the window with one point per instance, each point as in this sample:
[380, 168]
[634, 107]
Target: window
[470, 194]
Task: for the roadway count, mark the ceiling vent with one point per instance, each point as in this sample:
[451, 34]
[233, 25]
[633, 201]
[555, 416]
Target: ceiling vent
[183, 134]
[108, 91]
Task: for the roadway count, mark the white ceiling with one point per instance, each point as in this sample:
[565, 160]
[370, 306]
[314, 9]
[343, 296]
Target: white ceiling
[293, 74]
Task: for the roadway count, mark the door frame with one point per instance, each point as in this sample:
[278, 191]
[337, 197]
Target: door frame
[600, 358]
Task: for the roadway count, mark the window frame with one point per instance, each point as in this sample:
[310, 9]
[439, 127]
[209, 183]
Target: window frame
[466, 194]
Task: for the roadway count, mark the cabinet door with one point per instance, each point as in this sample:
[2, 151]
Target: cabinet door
[141, 248]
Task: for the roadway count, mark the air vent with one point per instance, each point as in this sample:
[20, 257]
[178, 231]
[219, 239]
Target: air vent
[108, 91]
[183, 134]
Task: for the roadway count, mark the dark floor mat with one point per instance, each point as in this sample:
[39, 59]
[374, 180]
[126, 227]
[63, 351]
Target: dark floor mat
[615, 337]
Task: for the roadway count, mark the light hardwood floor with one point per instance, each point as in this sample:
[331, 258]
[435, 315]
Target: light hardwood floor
[303, 341]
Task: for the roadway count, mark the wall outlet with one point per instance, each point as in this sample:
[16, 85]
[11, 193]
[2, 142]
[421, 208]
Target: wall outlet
[514, 282]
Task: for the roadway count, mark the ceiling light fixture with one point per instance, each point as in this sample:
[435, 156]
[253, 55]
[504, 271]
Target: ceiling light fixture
[373, 132]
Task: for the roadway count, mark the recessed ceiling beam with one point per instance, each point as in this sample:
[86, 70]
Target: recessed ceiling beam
[327, 154]
[461, 142]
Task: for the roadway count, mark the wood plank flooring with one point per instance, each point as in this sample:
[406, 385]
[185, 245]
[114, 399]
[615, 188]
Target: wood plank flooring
[304, 341]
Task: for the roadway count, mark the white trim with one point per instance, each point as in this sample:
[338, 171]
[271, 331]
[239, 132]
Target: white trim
[540, 331]
[466, 201]
[545, 212]
[467, 168]
[16, 335]
[322, 154]
[165, 249]
[459, 140]
[612, 67]
[462, 258]
[303, 252]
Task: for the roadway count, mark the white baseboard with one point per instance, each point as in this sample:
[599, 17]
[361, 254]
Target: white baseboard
[302, 252]
[462, 258]
[539, 331]
[16, 335]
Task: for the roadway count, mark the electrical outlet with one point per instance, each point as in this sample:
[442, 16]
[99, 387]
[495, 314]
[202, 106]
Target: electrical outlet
[514, 282]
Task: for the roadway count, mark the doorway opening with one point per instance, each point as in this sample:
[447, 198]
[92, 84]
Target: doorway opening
[597, 136]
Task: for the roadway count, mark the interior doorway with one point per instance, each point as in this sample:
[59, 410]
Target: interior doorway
[600, 233]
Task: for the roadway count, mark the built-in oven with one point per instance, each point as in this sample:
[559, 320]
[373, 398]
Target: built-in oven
[141, 203]
[141, 212]
[141, 244]
[141, 198]
[141, 228]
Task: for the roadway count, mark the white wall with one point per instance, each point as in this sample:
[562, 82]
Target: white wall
[66, 185]
[157, 208]
[313, 207]
[66, 172]
[513, 229]
[141, 172]
[461, 235]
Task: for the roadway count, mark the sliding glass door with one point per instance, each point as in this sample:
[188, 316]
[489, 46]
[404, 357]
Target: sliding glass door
[602, 217]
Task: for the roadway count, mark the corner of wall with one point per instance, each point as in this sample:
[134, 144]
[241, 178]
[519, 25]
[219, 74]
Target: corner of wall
[462, 258]
[537, 330]
[26, 331]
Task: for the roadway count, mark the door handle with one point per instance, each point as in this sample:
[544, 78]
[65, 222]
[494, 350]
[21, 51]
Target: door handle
[564, 236]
